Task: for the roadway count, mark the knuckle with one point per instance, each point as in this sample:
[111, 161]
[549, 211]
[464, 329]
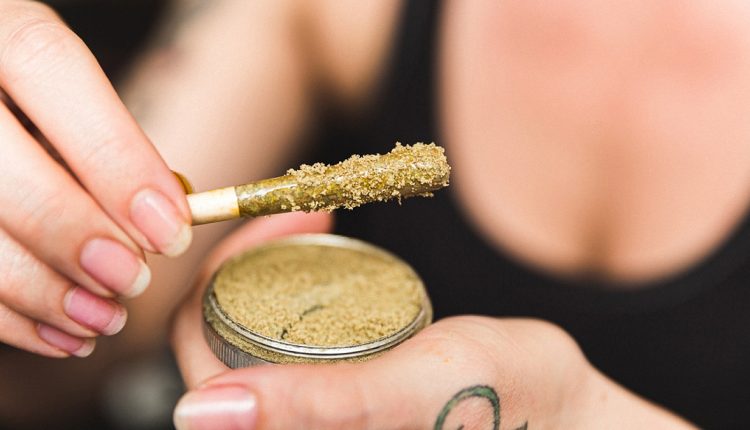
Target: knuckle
[9, 7]
[104, 145]
[546, 331]
[30, 5]
[43, 210]
[36, 41]
[555, 337]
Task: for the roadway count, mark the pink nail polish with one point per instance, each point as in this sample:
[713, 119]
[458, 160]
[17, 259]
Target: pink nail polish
[160, 221]
[102, 315]
[70, 344]
[228, 407]
[115, 266]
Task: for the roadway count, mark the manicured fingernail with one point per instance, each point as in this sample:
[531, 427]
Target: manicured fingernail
[102, 315]
[70, 344]
[160, 221]
[115, 266]
[226, 407]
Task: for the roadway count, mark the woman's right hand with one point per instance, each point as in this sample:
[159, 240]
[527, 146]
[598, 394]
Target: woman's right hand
[72, 236]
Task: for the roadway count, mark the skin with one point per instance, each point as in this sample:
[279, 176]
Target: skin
[523, 372]
[612, 145]
[642, 126]
[65, 217]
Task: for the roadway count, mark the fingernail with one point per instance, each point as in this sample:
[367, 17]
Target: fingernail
[161, 222]
[102, 315]
[228, 407]
[115, 266]
[70, 344]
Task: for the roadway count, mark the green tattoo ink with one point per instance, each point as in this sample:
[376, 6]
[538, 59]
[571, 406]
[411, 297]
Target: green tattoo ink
[483, 391]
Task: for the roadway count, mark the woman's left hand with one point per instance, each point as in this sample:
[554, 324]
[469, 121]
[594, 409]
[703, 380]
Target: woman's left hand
[459, 373]
[471, 371]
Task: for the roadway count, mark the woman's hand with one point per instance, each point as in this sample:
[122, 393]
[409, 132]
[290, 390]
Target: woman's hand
[463, 372]
[471, 371]
[72, 233]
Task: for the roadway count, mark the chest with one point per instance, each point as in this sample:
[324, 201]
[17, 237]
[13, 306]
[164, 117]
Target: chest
[599, 138]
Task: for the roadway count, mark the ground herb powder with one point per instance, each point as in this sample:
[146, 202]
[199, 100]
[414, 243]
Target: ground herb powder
[405, 171]
[317, 295]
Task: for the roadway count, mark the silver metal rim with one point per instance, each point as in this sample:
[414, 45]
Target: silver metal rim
[237, 356]
[229, 354]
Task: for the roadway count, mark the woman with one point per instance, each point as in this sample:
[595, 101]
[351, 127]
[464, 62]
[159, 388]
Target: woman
[598, 149]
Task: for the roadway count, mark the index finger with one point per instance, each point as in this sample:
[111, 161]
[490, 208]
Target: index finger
[56, 81]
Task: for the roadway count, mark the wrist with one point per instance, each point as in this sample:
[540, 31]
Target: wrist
[602, 403]
[581, 393]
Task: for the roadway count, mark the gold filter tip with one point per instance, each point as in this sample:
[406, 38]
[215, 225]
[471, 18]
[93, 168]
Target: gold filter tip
[406, 171]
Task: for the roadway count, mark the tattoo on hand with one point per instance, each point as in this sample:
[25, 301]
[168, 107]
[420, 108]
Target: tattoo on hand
[481, 391]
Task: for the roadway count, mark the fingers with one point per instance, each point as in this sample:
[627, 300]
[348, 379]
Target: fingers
[53, 78]
[341, 396]
[195, 359]
[22, 332]
[75, 224]
[439, 379]
[57, 221]
[403, 389]
[32, 289]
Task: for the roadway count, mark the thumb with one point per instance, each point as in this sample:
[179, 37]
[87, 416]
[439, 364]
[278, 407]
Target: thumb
[195, 359]
[340, 396]
[405, 388]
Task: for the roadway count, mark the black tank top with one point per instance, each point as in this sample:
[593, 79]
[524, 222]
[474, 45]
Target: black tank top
[681, 342]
